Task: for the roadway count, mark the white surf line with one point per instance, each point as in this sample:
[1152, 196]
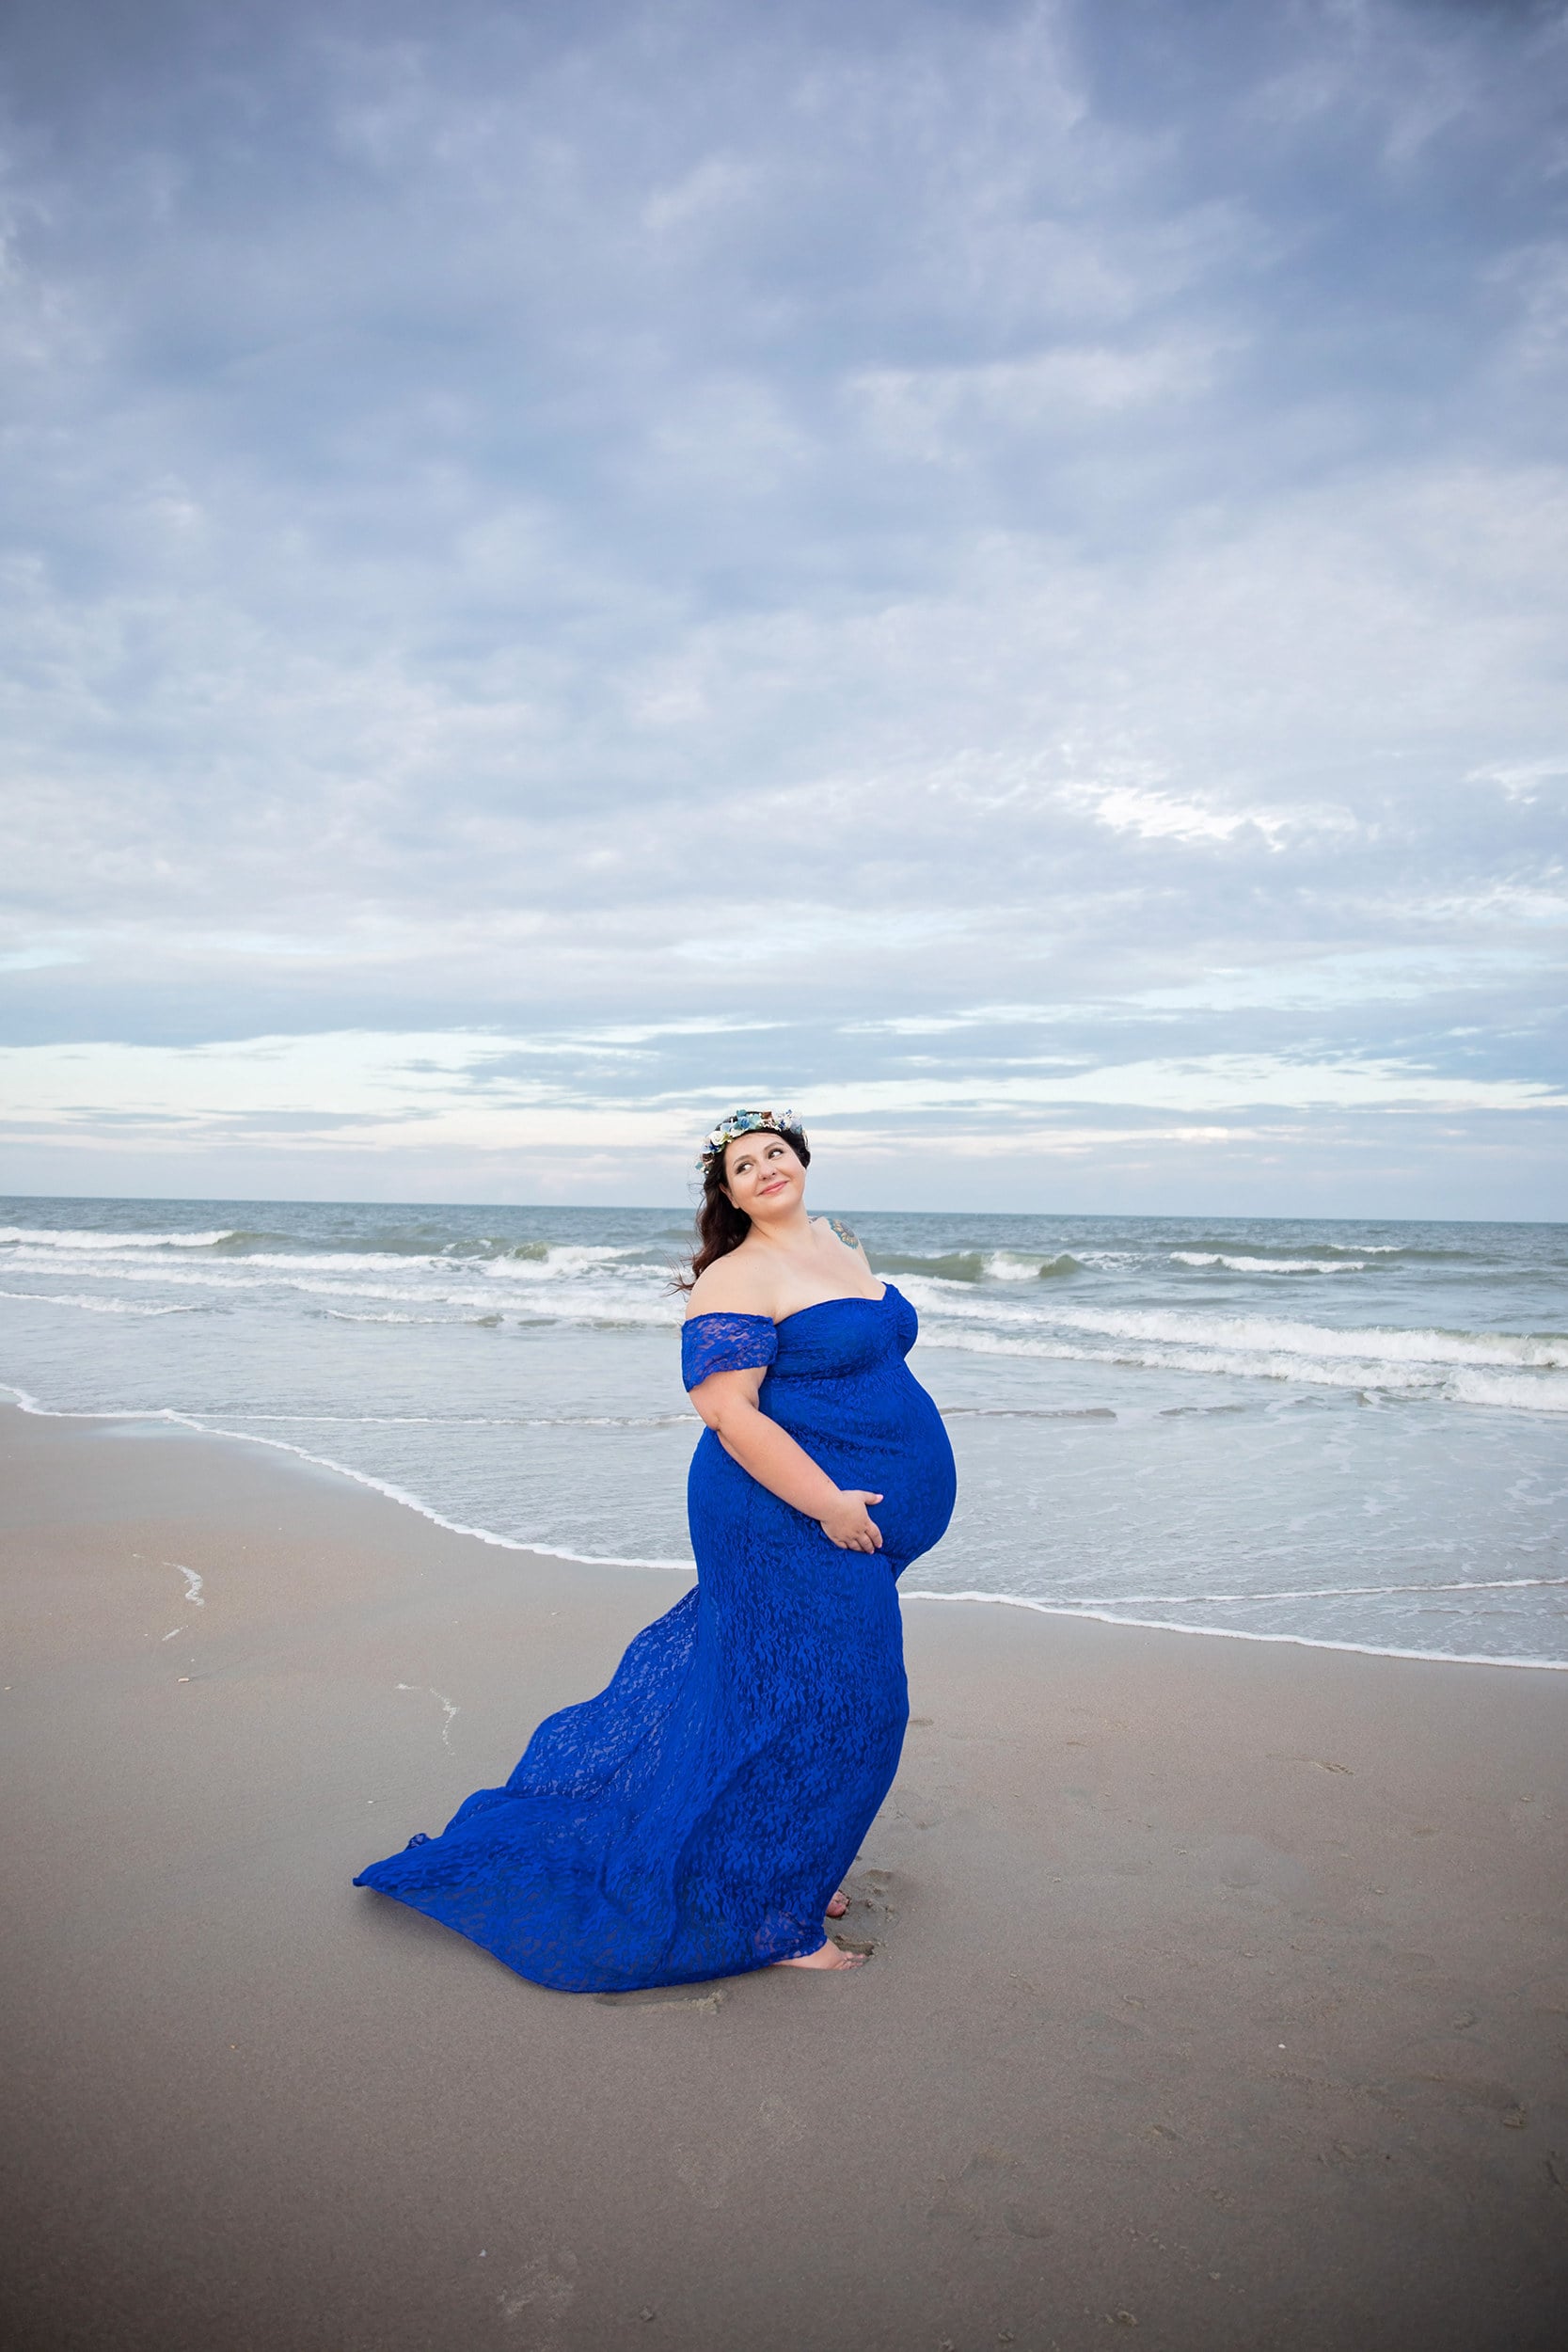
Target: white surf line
[1087, 1614]
[449, 1712]
[443, 1421]
[193, 1583]
[1319, 1592]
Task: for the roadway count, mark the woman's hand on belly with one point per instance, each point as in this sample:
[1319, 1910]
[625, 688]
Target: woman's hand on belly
[848, 1524]
[727, 1401]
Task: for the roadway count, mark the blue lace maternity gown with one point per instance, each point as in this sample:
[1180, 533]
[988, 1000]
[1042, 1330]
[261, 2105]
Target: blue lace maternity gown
[694, 1819]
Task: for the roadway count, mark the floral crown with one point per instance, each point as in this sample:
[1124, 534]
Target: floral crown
[745, 1123]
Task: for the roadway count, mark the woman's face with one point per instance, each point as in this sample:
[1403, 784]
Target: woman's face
[763, 1176]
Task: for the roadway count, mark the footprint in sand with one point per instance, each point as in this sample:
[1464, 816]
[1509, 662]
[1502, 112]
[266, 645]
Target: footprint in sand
[541, 2299]
[864, 1925]
[780, 2120]
[992, 2196]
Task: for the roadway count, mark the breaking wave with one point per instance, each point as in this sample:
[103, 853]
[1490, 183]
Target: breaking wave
[1268, 1266]
[43, 1237]
[1524, 1391]
[980, 1265]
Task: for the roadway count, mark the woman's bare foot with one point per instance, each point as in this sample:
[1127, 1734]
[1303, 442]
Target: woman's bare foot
[839, 1905]
[829, 1956]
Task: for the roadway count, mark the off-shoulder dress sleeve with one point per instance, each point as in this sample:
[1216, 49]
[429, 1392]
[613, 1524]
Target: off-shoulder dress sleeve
[711, 1344]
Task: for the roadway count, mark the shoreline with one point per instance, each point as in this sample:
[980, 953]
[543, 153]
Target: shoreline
[1219, 1987]
[171, 1418]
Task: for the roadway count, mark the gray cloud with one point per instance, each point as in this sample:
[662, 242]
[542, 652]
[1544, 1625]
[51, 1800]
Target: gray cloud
[1047, 523]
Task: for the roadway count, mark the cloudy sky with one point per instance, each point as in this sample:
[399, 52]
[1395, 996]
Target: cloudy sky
[993, 572]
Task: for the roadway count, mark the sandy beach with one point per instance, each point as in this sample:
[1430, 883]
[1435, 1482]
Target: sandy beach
[1219, 1995]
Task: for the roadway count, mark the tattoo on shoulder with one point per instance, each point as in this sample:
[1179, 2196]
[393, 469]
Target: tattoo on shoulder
[836, 1225]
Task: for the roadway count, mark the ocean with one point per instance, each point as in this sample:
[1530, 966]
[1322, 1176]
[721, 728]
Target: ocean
[1339, 1433]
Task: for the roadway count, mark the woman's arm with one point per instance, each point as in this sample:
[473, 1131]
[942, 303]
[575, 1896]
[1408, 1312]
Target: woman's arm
[727, 1401]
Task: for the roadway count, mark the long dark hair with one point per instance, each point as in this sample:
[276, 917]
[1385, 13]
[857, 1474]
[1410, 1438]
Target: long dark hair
[721, 1226]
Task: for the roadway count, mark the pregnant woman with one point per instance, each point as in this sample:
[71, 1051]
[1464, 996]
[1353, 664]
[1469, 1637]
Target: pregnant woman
[693, 1821]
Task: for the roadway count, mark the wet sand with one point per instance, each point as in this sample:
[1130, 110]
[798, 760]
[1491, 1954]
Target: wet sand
[1219, 1999]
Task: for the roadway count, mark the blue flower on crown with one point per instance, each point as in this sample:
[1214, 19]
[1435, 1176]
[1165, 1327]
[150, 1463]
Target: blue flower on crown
[745, 1123]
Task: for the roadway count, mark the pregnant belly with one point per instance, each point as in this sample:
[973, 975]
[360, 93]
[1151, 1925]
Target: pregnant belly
[904, 1455]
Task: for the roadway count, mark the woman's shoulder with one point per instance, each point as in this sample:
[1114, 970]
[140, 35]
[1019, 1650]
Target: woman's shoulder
[841, 1232]
[730, 1286]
